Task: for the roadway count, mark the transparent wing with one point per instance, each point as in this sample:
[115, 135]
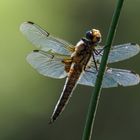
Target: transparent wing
[89, 78]
[121, 52]
[43, 40]
[112, 78]
[47, 64]
[124, 77]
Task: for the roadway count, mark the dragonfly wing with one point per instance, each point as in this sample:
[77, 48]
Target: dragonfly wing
[43, 40]
[121, 52]
[47, 64]
[124, 77]
[89, 78]
[112, 78]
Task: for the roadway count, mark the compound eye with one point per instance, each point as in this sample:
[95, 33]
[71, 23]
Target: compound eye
[89, 35]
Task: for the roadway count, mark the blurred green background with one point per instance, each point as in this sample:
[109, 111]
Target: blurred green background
[27, 99]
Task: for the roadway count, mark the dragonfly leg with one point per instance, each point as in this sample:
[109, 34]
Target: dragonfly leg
[95, 62]
[98, 52]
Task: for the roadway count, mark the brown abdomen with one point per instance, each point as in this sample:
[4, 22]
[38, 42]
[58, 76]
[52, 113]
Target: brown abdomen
[69, 86]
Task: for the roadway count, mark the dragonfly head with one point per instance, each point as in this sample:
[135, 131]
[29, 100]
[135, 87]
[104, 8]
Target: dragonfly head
[94, 36]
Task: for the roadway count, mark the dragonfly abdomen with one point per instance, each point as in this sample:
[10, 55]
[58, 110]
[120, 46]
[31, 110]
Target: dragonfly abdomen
[70, 84]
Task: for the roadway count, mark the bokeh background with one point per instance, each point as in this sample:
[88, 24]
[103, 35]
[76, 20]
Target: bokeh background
[27, 99]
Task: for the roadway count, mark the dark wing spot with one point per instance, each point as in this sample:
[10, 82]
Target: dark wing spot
[133, 43]
[133, 72]
[35, 50]
[30, 22]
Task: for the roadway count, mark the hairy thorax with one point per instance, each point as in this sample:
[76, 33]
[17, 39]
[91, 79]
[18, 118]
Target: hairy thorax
[79, 58]
[82, 54]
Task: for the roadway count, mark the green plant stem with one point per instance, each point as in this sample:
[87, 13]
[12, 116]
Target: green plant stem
[96, 95]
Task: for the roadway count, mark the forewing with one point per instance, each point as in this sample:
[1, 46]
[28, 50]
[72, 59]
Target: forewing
[47, 64]
[43, 40]
[121, 52]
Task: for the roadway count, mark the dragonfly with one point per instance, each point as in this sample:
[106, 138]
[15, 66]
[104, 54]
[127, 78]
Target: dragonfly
[57, 58]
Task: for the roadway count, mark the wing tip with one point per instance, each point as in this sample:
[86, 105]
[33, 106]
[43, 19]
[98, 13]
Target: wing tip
[136, 45]
[137, 79]
[133, 72]
[22, 26]
[137, 75]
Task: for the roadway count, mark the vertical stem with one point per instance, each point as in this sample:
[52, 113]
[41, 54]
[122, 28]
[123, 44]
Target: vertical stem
[96, 95]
